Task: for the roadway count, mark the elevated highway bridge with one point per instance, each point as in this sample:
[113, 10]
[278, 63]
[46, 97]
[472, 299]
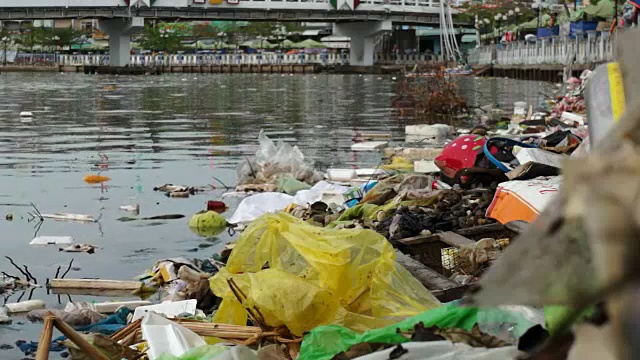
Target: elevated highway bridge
[361, 20]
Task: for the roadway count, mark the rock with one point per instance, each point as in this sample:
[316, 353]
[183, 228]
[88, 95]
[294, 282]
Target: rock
[6, 347]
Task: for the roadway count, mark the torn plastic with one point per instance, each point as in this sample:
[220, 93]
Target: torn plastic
[317, 276]
[273, 161]
[168, 309]
[166, 337]
[257, 205]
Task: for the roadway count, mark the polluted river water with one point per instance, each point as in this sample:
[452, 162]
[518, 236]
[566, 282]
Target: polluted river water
[185, 129]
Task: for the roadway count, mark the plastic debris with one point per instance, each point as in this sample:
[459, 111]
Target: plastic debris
[70, 217]
[166, 337]
[340, 266]
[80, 248]
[257, 205]
[169, 309]
[96, 179]
[51, 240]
[207, 223]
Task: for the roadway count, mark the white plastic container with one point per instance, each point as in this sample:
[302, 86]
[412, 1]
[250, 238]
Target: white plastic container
[369, 145]
[427, 134]
[24, 306]
[341, 175]
[425, 166]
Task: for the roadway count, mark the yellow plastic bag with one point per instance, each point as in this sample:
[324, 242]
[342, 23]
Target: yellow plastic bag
[317, 276]
[400, 164]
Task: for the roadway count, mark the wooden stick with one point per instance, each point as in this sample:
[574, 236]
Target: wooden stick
[45, 338]
[94, 284]
[125, 331]
[78, 340]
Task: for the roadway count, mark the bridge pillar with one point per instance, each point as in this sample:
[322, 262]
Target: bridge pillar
[120, 31]
[363, 36]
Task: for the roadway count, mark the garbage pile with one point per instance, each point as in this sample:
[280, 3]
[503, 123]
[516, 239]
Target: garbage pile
[360, 264]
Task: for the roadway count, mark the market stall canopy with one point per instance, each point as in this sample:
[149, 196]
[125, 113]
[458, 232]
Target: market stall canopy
[603, 9]
[309, 44]
[258, 44]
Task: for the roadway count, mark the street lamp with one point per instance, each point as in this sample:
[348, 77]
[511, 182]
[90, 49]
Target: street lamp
[5, 41]
[517, 11]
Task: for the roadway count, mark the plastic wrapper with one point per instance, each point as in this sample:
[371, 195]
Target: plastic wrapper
[257, 205]
[317, 276]
[273, 161]
[166, 337]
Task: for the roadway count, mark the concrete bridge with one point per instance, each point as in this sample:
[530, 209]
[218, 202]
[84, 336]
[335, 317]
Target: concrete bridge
[361, 20]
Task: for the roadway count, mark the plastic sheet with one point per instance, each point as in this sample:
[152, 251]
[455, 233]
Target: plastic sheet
[199, 353]
[166, 337]
[317, 276]
[257, 205]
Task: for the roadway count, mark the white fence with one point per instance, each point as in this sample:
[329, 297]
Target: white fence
[220, 59]
[241, 59]
[556, 50]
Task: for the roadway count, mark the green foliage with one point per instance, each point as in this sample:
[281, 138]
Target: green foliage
[155, 38]
[489, 9]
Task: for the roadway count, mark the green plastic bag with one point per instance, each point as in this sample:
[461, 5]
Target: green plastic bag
[324, 342]
[207, 223]
[291, 186]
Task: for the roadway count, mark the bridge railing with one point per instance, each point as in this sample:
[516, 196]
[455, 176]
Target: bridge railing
[553, 51]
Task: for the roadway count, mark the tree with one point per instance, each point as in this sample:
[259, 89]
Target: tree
[31, 37]
[203, 31]
[58, 38]
[154, 38]
[261, 30]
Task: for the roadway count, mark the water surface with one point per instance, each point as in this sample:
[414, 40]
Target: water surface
[175, 128]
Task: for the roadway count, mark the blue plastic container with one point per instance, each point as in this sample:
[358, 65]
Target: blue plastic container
[548, 31]
[580, 28]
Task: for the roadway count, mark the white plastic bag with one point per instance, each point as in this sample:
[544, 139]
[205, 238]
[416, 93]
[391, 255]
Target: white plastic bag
[274, 160]
[166, 337]
[304, 197]
[168, 308]
[257, 205]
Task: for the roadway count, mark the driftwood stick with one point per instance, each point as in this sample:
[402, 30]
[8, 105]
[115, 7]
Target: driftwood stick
[78, 340]
[45, 338]
[68, 269]
[18, 267]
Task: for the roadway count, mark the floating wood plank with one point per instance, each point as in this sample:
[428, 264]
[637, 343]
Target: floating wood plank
[420, 239]
[454, 239]
[431, 279]
[476, 230]
[95, 284]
